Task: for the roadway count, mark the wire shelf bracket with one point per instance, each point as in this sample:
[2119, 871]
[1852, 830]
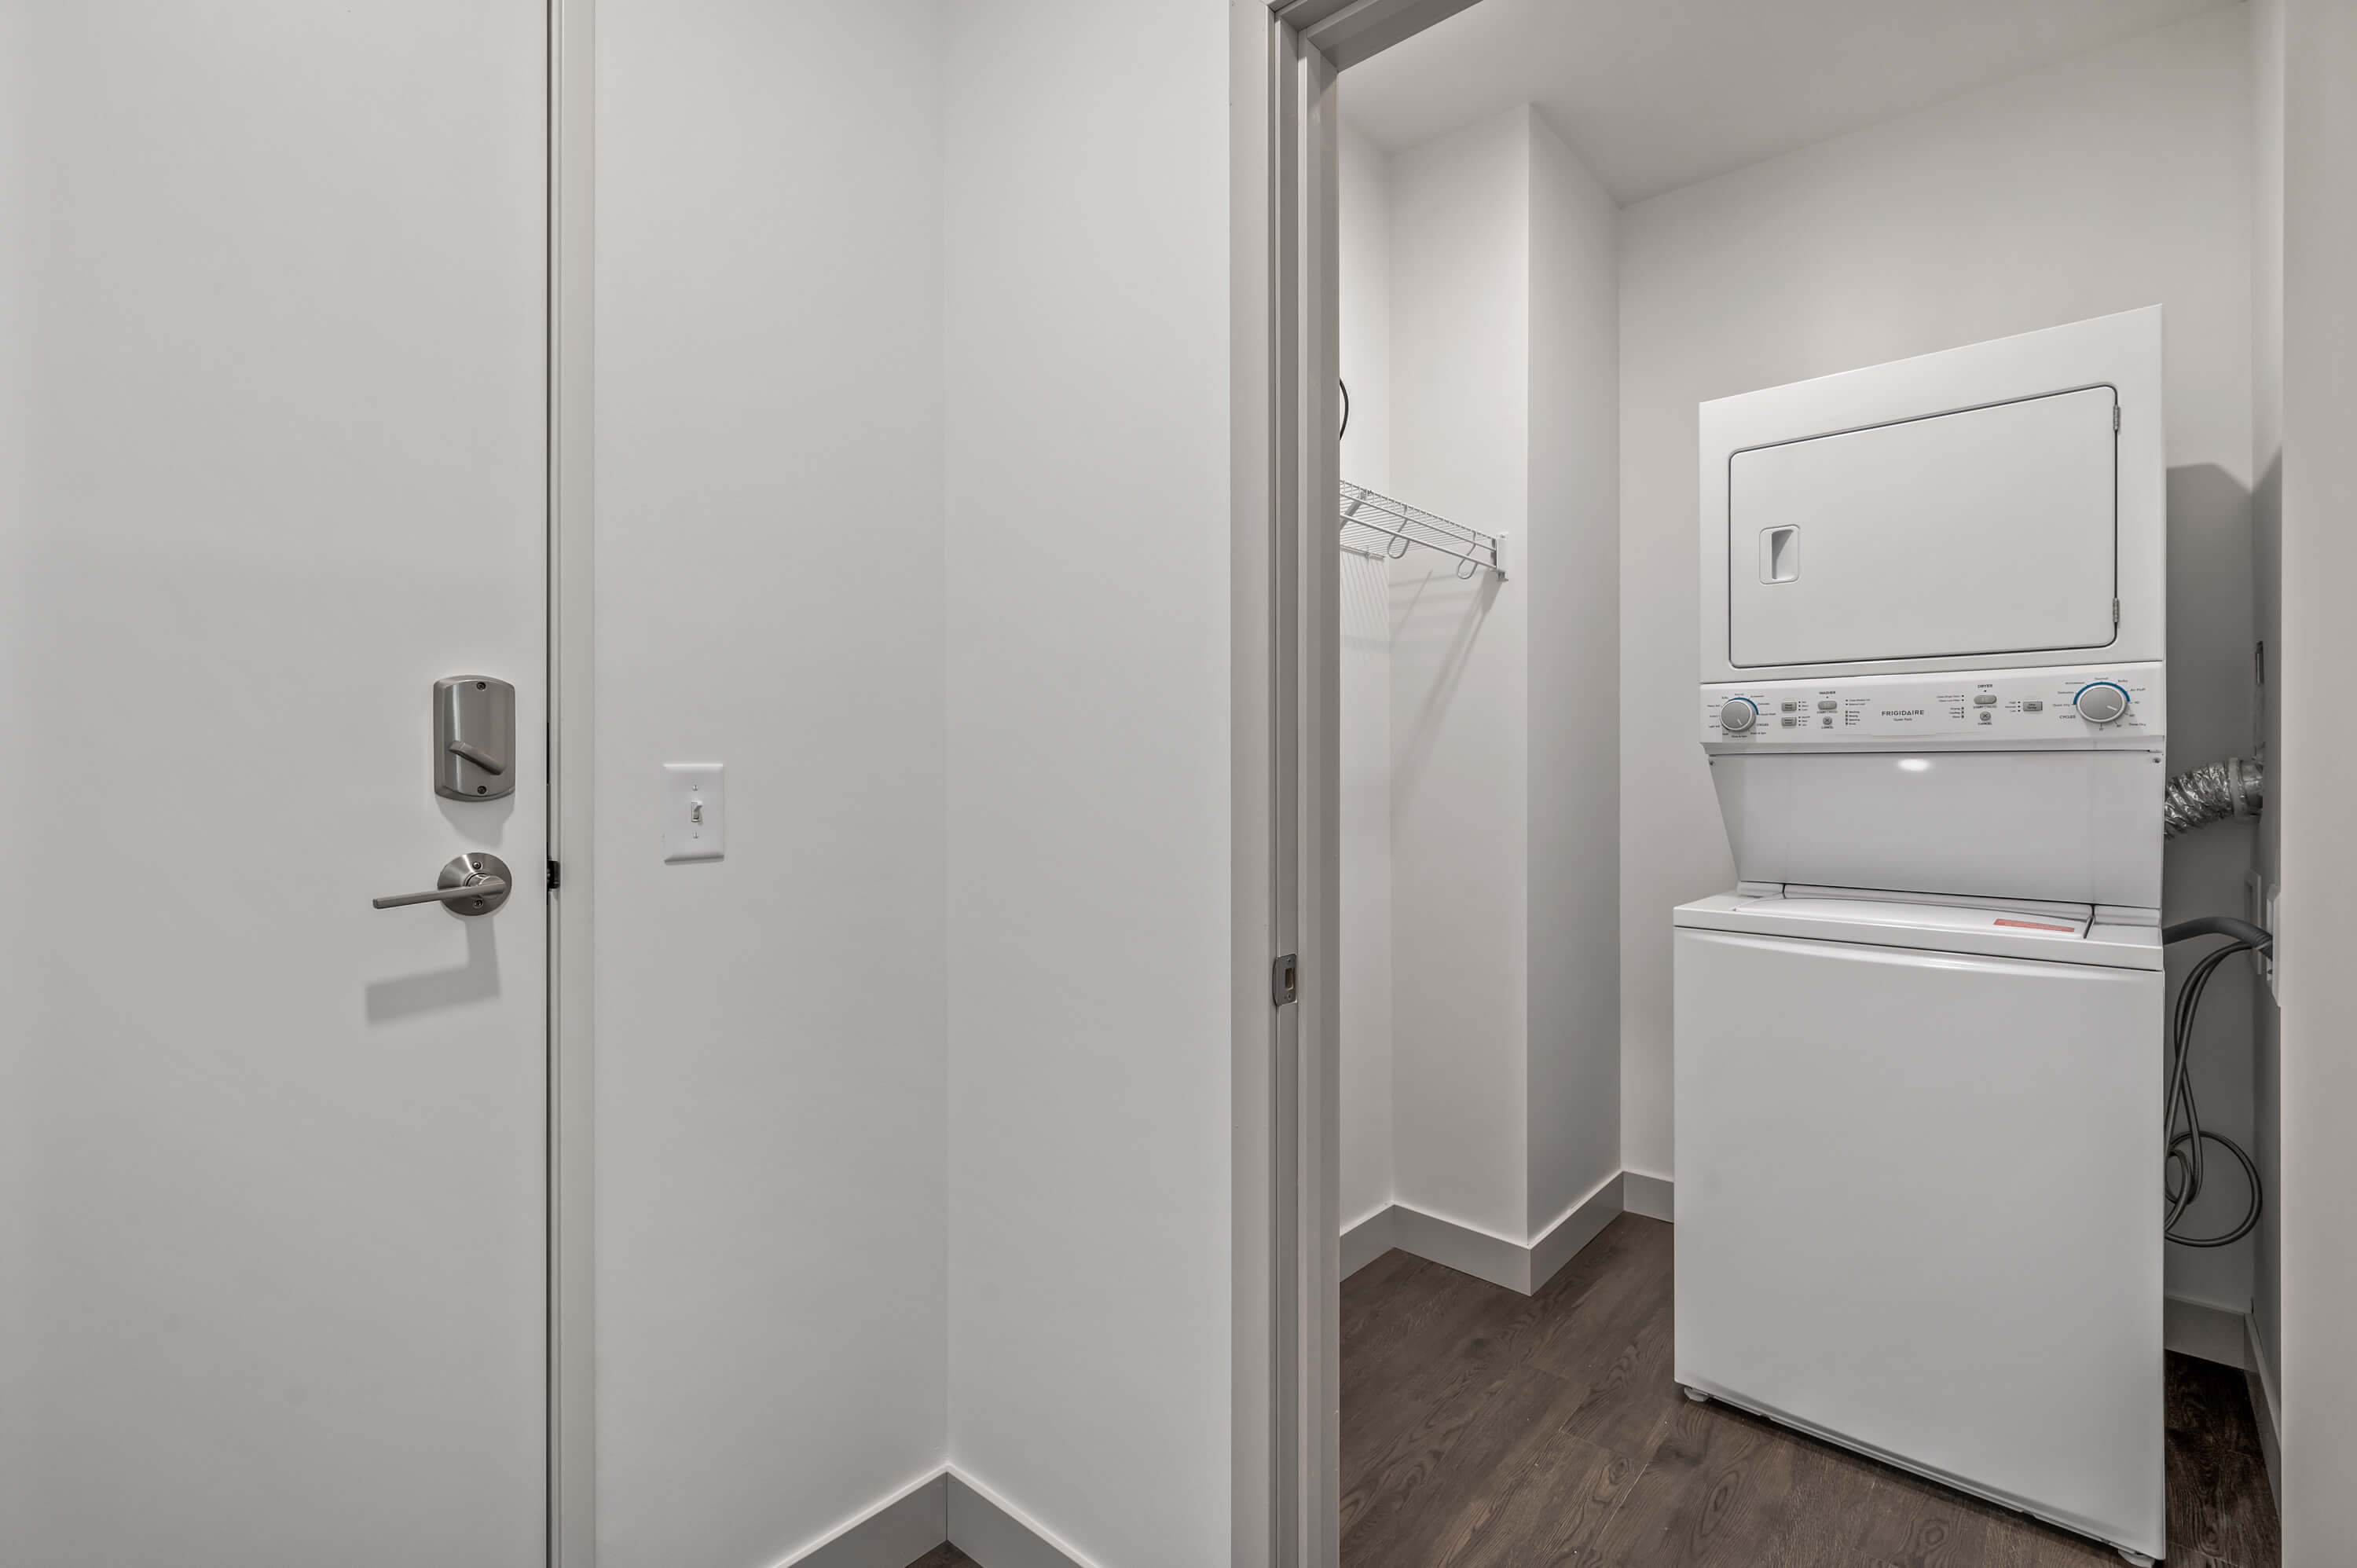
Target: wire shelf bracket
[1377, 525]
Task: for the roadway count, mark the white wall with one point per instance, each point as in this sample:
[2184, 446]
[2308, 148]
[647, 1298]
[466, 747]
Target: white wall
[1504, 403]
[1090, 1035]
[1461, 447]
[771, 1247]
[1570, 567]
[2319, 922]
[2113, 180]
[1365, 830]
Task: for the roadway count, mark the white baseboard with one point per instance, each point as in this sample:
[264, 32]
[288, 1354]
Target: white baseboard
[893, 1534]
[1370, 1238]
[945, 1507]
[2201, 1329]
[996, 1534]
[1480, 1253]
[1651, 1195]
[1579, 1227]
[2264, 1404]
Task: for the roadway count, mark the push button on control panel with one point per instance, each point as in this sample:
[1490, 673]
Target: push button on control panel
[1826, 704]
[1984, 699]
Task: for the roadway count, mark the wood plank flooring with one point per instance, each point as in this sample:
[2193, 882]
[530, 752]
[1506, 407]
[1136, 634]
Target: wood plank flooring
[1483, 1429]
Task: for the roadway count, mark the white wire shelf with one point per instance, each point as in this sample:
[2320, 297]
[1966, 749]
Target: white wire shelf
[1375, 525]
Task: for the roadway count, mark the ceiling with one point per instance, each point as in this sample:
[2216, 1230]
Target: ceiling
[1653, 94]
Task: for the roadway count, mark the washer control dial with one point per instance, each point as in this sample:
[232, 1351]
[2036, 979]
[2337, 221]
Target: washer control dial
[1738, 714]
[2102, 702]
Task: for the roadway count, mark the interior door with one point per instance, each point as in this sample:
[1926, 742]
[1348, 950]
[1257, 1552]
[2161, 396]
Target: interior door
[273, 1205]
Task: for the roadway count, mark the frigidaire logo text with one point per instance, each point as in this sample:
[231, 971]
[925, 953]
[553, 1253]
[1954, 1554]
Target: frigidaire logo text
[1902, 713]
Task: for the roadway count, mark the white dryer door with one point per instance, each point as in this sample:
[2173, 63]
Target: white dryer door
[1983, 531]
[1919, 1210]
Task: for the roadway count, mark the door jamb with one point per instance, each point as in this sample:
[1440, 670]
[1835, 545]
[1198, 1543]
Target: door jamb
[1285, 663]
[571, 1538]
[1285, 676]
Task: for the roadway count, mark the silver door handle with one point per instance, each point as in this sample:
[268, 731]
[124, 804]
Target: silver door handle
[478, 755]
[472, 883]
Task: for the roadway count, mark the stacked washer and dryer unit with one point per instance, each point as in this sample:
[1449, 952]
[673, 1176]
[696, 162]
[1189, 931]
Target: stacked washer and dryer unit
[1919, 1047]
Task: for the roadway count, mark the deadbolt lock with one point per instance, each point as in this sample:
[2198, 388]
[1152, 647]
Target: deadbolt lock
[474, 737]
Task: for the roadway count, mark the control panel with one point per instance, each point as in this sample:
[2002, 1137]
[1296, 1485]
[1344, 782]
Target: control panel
[2093, 707]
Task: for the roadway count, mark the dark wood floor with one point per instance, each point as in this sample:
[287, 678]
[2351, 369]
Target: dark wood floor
[1483, 1429]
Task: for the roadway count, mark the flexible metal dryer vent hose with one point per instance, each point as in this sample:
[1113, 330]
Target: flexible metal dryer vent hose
[2198, 797]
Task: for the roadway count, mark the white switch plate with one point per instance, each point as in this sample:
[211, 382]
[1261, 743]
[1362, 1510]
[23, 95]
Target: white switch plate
[694, 811]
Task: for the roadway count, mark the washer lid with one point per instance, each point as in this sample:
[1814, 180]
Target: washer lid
[2043, 932]
[2040, 922]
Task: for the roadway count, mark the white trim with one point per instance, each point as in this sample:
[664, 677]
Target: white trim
[893, 1534]
[1285, 660]
[997, 1534]
[1286, 656]
[1580, 1224]
[945, 1507]
[1653, 1196]
[1350, 31]
[1254, 1475]
[2203, 1329]
[571, 1320]
[1370, 1238]
[1484, 1254]
[1467, 1249]
[2264, 1404]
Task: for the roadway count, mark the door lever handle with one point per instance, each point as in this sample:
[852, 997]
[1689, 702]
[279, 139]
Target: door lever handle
[478, 755]
[472, 883]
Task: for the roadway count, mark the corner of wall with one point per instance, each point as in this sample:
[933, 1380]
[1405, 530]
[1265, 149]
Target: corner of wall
[1570, 571]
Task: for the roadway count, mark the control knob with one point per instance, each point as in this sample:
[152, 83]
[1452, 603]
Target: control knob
[1738, 714]
[2102, 702]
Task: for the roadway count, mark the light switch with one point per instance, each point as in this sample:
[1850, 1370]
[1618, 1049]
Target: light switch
[694, 811]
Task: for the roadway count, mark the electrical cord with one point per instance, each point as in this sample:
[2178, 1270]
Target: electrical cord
[2184, 1167]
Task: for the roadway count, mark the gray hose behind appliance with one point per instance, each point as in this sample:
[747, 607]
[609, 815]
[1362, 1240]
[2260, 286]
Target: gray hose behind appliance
[2218, 792]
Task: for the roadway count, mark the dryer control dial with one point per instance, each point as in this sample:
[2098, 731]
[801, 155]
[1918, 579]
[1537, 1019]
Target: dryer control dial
[2102, 702]
[1738, 714]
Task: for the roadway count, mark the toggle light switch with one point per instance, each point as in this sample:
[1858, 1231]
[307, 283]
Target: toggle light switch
[694, 811]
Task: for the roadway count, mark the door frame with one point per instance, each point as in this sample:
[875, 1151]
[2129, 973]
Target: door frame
[571, 1534]
[1285, 662]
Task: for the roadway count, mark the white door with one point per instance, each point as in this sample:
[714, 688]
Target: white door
[271, 394]
[1983, 531]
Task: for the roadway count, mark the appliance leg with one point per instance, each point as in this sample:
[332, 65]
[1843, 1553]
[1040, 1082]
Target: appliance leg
[1698, 1397]
[2139, 1559]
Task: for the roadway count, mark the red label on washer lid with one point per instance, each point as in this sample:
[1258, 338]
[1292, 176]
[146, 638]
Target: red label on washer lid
[2037, 925]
